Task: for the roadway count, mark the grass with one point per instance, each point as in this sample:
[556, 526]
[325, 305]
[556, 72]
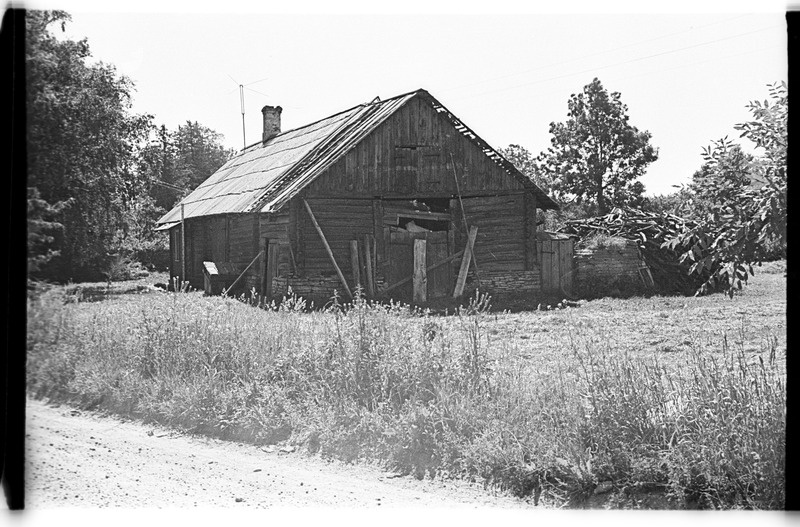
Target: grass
[664, 402]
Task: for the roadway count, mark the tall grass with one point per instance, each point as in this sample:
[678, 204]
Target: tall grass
[425, 395]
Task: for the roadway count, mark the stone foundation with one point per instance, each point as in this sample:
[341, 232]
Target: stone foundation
[506, 282]
[607, 266]
[492, 282]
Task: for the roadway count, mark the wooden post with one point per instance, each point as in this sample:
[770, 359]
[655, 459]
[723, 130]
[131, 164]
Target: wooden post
[354, 263]
[368, 266]
[183, 249]
[328, 249]
[464, 216]
[420, 273]
[465, 261]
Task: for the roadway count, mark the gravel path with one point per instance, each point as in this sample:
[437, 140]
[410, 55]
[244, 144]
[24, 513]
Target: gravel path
[81, 459]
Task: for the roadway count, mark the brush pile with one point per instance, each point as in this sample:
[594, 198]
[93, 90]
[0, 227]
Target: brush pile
[650, 231]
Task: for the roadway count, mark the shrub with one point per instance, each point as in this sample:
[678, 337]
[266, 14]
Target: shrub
[425, 395]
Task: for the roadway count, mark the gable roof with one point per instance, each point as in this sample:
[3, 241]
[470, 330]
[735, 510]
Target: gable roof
[263, 177]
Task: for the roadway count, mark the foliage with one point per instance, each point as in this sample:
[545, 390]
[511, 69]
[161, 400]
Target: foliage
[596, 155]
[652, 233]
[427, 395]
[741, 201]
[41, 230]
[182, 158]
[82, 144]
[94, 167]
[525, 162]
[684, 431]
[725, 174]
[674, 203]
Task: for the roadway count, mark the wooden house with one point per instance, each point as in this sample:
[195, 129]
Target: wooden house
[356, 198]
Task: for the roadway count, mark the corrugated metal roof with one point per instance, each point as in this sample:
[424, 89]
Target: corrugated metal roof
[264, 177]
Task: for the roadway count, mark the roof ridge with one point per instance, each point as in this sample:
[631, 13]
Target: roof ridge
[308, 125]
[361, 105]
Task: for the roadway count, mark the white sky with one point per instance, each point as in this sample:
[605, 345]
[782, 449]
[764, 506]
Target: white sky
[686, 73]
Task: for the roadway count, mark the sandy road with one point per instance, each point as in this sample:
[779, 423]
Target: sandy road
[79, 459]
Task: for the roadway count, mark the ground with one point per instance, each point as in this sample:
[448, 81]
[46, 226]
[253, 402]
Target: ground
[82, 459]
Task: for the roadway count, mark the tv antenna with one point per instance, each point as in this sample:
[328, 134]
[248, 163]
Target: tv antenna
[241, 103]
[241, 100]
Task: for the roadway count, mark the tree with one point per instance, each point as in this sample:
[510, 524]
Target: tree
[596, 155]
[181, 159]
[82, 147]
[93, 165]
[42, 230]
[743, 200]
[672, 203]
[525, 162]
[726, 172]
[199, 153]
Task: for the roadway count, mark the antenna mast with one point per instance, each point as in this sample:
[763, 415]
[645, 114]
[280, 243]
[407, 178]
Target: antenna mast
[241, 100]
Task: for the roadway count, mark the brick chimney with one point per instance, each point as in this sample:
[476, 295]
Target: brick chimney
[272, 122]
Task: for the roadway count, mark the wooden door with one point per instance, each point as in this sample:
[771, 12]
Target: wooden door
[440, 282]
[175, 249]
[218, 239]
[270, 268]
[555, 263]
[400, 254]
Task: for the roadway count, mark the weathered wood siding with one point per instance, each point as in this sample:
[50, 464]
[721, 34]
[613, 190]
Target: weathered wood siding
[531, 260]
[275, 228]
[341, 220]
[409, 154]
[501, 243]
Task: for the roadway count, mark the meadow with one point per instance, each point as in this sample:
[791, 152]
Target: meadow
[660, 402]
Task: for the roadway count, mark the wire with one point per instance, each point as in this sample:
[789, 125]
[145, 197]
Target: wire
[540, 81]
[256, 82]
[662, 70]
[595, 54]
[256, 91]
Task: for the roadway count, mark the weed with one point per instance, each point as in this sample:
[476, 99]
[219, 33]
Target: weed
[427, 395]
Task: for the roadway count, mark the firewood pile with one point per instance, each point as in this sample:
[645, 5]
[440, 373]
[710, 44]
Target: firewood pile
[650, 231]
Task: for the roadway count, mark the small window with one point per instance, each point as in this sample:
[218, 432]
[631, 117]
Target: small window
[422, 225]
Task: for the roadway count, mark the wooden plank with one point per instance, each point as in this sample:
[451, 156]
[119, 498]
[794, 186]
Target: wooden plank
[420, 274]
[547, 264]
[568, 269]
[370, 278]
[354, 263]
[183, 247]
[562, 264]
[245, 270]
[438, 281]
[544, 263]
[377, 230]
[328, 249]
[272, 268]
[462, 273]
[556, 263]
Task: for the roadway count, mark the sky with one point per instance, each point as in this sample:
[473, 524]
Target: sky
[686, 73]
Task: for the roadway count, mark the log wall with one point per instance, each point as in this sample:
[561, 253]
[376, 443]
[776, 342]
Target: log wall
[501, 242]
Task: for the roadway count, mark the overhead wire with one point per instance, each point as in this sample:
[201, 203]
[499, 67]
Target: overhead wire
[560, 63]
[630, 61]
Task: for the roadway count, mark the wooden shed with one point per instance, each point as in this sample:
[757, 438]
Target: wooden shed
[355, 198]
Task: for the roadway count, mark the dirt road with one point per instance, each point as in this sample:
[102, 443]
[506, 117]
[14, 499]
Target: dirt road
[79, 459]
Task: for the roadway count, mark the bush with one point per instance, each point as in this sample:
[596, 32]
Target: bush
[427, 396]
